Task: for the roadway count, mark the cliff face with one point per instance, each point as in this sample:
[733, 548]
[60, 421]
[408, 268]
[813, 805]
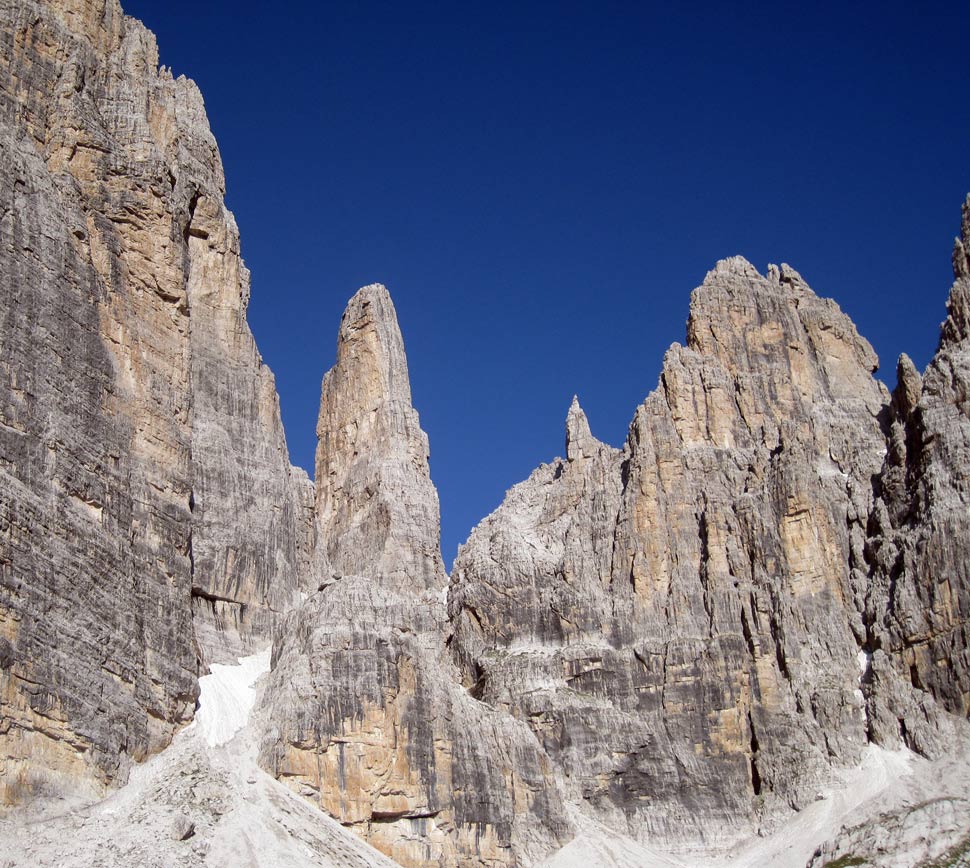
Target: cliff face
[681, 638]
[145, 491]
[376, 508]
[369, 719]
[679, 623]
[920, 602]
[678, 638]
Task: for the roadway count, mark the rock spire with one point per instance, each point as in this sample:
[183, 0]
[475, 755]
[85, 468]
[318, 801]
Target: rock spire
[370, 720]
[376, 508]
[675, 641]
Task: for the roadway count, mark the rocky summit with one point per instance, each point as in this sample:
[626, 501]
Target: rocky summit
[740, 639]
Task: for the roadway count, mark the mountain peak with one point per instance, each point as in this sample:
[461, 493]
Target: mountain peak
[371, 365]
[956, 327]
[580, 442]
[377, 509]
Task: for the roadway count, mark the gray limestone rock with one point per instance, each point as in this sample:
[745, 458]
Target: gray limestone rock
[675, 640]
[182, 828]
[919, 607]
[149, 518]
[238, 815]
[679, 623]
[376, 509]
[932, 834]
[368, 715]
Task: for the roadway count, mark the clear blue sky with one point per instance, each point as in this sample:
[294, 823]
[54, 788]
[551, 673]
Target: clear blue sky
[541, 185]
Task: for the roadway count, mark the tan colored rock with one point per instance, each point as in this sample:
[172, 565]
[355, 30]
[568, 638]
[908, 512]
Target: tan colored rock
[368, 715]
[376, 509]
[143, 469]
[681, 637]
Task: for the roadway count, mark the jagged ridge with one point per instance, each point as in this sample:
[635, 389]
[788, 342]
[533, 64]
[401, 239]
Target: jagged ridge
[679, 638]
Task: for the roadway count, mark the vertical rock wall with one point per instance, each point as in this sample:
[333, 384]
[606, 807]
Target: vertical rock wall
[919, 607]
[368, 718]
[137, 423]
[680, 623]
[679, 637]
[376, 508]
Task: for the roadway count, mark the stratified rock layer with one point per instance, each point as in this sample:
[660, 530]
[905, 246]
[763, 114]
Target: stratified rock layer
[143, 471]
[368, 717]
[376, 509]
[679, 623]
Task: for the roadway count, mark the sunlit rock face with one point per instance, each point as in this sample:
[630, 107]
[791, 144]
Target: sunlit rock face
[149, 518]
[680, 622]
[678, 638]
[376, 508]
[369, 719]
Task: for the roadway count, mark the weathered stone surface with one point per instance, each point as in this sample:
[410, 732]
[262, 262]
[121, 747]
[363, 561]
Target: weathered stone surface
[919, 609]
[251, 511]
[142, 462]
[182, 828]
[238, 815]
[376, 509]
[368, 716]
[932, 834]
[680, 637]
[680, 623]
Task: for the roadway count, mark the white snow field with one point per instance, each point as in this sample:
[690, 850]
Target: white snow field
[226, 697]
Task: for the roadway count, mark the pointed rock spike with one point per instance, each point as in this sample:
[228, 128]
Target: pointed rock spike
[580, 442]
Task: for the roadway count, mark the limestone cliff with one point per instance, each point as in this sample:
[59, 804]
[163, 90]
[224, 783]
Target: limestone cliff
[369, 719]
[677, 637]
[679, 622]
[376, 509]
[919, 607]
[674, 641]
[149, 516]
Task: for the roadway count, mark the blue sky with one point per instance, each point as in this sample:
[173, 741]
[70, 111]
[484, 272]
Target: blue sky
[541, 185]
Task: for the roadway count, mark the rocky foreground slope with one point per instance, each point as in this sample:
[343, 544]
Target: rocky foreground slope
[669, 648]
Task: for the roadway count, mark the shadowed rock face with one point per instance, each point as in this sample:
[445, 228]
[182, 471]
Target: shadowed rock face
[368, 716]
[920, 603]
[148, 512]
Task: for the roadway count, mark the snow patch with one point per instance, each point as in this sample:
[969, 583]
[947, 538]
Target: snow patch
[226, 697]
